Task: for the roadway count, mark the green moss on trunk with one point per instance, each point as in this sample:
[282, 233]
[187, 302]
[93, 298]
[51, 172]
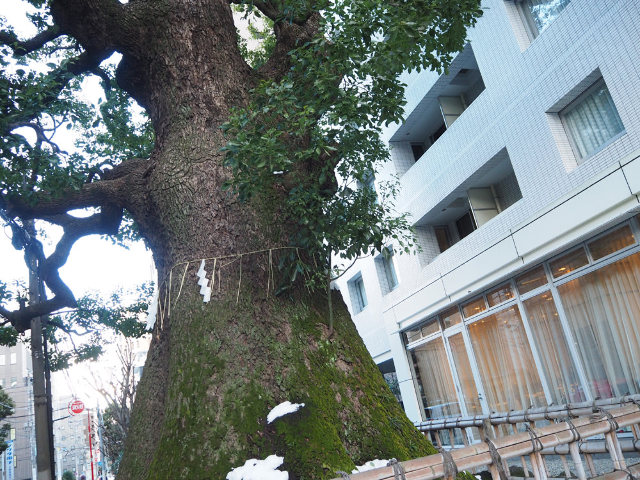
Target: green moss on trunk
[229, 364]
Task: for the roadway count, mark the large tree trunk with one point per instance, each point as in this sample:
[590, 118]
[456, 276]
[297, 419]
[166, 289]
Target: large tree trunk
[215, 370]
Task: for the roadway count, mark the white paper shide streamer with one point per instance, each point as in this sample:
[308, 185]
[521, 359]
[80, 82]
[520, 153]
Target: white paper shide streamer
[205, 289]
[153, 310]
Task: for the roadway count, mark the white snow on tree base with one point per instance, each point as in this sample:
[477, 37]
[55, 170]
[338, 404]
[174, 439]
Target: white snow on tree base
[371, 465]
[283, 409]
[266, 469]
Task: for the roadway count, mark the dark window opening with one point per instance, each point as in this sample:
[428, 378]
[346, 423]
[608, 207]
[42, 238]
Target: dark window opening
[418, 150]
[465, 224]
[443, 237]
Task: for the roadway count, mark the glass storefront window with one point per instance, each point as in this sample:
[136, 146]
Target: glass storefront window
[474, 307]
[435, 380]
[569, 262]
[600, 314]
[612, 242]
[465, 376]
[499, 295]
[552, 346]
[531, 280]
[505, 362]
[603, 311]
[451, 317]
[432, 326]
[413, 335]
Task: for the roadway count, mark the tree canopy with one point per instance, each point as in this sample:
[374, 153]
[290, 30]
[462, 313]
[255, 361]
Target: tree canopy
[323, 82]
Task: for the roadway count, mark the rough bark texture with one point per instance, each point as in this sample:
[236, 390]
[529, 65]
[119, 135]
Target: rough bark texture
[218, 382]
[215, 370]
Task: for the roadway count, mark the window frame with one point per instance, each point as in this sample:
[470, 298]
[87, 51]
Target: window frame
[528, 21]
[358, 293]
[385, 267]
[562, 114]
[552, 284]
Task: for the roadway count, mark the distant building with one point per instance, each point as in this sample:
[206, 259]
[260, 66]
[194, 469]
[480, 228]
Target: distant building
[520, 170]
[71, 438]
[15, 378]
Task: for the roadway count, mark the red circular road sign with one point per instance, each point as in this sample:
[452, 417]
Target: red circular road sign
[76, 407]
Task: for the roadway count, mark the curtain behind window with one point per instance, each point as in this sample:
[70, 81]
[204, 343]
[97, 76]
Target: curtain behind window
[507, 369]
[554, 352]
[603, 309]
[435, 379]
[594, 121]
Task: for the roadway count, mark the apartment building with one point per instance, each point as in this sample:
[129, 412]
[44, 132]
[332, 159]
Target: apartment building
[18, 461]
[520, 170]
[71, 438]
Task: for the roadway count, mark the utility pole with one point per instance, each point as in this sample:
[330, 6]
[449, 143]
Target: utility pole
[90, 446]
[41, 415]
[103, 459]
[47, 379]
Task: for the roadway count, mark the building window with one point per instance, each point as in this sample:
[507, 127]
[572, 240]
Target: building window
[434, 380]
[451, 95]
[591, 120]
[357, 293]
[14, 358]
[386, 271]
[465, 224]
[368, 184]
[443, 237]
[567, 327]
[538, 14]
[417, 149]
[3, 359]
[14, 382]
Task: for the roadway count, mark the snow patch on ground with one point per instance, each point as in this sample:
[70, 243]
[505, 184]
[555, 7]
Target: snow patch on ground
[266, 469]
[283, 409]
[371, 465]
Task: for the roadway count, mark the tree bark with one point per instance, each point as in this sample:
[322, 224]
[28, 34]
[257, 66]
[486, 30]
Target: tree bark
[215, 370]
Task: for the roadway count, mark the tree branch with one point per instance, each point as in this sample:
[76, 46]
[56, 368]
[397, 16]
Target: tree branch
[23, 47]
[112, 189]
[289, 35]
[96, 25]
[38, 130]
[106, 221]
[56, 81]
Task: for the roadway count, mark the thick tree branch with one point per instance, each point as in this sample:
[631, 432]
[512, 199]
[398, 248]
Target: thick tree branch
[23, 47]
[96, 25]
[114, 189]
[288, 36]
[105, 222]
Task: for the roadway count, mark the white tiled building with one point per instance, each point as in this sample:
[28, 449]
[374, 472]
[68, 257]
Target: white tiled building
[520, 169]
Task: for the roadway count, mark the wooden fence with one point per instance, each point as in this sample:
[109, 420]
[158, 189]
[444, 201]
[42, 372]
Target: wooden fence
[568, 437]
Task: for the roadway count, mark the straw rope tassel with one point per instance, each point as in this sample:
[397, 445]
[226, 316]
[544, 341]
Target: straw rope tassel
[269, 273]
[213, 274]
[184, 274]
[169, 294]
[239, 281]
